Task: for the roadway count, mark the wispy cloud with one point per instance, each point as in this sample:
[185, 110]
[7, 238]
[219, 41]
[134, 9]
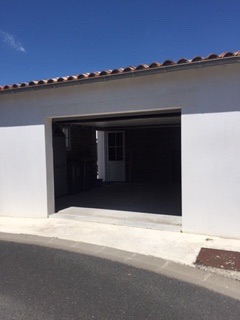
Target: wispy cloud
[11, 41]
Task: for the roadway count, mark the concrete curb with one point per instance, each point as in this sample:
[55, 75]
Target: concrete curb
[206, 279]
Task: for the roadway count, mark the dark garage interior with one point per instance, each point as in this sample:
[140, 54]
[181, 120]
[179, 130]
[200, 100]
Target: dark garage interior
[151, 153]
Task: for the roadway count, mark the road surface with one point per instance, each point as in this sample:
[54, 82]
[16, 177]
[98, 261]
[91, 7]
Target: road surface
[48, 284]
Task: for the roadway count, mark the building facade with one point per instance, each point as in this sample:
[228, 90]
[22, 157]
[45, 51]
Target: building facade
[191, 107]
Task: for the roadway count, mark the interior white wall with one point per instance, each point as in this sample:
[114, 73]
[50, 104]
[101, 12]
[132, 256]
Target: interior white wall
[101, 155]
[211, 173]
[23, 184]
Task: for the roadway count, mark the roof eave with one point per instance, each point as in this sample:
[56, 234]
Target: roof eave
[132, 73]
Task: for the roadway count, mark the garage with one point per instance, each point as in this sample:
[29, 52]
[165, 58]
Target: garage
[125, 163]
[160, 140]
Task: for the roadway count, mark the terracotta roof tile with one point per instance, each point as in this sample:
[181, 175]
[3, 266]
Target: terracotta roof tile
[129, 69]
[24, 84]
[168, 63]
[70, 78]
[33, 83]
[82, 76]
[197, 59]
[93, 74]
[212, 56]
[181, 61]
[226, 54]
[154, 65]
[51, 80]
[105, 72]
[42, 82]
[116, 71]
[142, 67]
[62, 79]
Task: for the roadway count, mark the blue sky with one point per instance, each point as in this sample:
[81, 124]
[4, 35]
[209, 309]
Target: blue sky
[48, 38]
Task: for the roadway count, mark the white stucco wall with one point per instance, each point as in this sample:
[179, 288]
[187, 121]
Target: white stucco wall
[211, 175]
[210, 102]
[23, 184]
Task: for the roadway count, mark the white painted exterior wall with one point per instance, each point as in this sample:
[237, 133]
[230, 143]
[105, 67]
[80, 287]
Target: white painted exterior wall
[211, 175]
[23, 189]
[209, 98]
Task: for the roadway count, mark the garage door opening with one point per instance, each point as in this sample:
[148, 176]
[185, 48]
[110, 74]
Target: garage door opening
[125, 164]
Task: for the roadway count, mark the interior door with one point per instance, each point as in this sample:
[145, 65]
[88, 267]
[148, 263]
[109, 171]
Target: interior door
[116, 156]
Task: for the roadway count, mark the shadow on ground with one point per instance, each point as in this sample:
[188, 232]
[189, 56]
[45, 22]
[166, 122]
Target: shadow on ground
[128, 196]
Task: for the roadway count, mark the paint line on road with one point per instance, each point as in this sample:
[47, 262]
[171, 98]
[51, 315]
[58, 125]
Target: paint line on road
[129, 258]
[207, 276]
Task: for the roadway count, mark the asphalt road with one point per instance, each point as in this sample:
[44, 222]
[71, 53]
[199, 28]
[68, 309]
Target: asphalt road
[42, 283]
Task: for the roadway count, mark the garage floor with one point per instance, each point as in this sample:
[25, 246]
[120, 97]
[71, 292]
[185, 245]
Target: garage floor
[128, 196]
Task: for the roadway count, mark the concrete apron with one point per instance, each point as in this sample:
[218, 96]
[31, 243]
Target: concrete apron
[122, 218]
[183, 248]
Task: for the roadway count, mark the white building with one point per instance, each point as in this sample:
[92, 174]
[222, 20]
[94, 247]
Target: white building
[168, 124]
